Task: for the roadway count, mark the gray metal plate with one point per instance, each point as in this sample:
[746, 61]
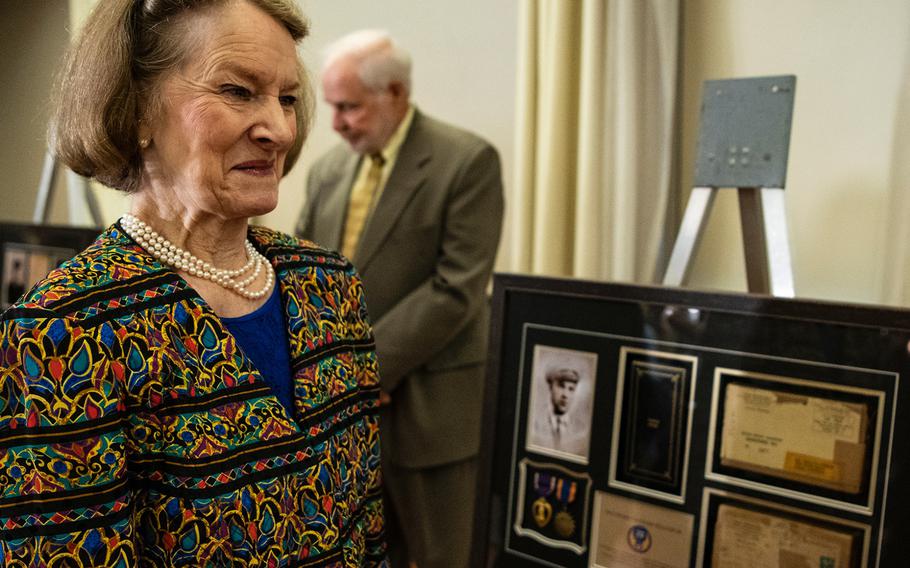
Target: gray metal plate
[744, 137]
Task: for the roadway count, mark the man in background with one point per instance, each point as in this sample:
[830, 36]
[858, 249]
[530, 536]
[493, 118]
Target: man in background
[416, 204]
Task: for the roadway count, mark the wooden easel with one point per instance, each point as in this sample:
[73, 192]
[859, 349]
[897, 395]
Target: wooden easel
[744, 140]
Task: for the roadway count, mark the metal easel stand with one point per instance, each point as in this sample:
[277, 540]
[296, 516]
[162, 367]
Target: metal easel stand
[744, 139]
[764, 227]
[82, 201]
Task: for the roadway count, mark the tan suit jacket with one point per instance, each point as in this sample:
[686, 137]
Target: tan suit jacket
[425, 257]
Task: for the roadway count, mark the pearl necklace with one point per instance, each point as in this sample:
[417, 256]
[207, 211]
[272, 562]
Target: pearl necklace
[174, 256]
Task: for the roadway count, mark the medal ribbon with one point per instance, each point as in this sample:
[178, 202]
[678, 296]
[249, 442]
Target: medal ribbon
[543, 483]
[565, 491]
[542, 510]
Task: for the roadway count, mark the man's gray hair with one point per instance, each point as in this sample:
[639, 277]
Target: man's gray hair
[380, 60]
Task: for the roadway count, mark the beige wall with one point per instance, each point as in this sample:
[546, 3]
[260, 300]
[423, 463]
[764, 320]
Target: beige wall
[463, 70]
[848, 57]
[33, 36]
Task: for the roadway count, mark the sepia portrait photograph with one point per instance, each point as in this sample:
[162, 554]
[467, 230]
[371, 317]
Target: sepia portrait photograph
[561, 402]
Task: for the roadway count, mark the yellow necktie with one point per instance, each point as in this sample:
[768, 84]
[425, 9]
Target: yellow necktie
[360, 205]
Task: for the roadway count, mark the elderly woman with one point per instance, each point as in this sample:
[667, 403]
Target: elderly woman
[189, 391]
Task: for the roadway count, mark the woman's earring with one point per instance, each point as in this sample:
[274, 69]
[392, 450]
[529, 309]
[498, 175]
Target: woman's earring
[144, 142]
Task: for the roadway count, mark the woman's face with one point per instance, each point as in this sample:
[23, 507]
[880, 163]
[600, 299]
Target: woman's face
[227, 116]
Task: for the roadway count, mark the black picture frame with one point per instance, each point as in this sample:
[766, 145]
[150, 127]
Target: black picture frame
[652, 422]
[29, 252]
[830, 352]
[852, 391]
[783, 518]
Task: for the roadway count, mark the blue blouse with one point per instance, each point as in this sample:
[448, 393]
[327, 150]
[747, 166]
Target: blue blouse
[263, 337]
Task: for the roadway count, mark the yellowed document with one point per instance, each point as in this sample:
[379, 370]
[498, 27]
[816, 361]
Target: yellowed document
[633, 534]
[745, 539]
[807, 439]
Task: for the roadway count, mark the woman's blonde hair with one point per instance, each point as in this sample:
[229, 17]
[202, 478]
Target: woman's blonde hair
[108, 82]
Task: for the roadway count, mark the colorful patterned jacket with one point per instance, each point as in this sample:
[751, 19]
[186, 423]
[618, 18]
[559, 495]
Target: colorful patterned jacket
[134, 432]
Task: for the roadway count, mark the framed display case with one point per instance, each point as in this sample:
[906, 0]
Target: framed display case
[29, 252]
[648, 426]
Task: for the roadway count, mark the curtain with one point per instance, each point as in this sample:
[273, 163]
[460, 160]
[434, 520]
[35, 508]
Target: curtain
[595, 122]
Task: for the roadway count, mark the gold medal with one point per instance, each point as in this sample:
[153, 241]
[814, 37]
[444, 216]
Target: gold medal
[564, 524]
[542, 511]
